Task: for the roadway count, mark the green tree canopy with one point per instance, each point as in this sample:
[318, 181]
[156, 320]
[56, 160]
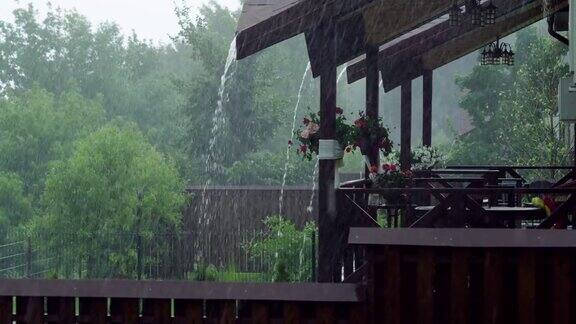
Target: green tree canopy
[114, 184]
[15, 206]
[37, 127]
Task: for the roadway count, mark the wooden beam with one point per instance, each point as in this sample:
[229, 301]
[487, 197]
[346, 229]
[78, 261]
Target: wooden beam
[427, 93]
[372, 93]
[327, 253]
[406, 126]
[386, 19]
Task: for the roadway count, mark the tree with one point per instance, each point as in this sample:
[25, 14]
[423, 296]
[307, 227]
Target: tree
[115, 186]
[514, 109]
[257, 95]
[37, 127]
[130, 77]
[15, 205]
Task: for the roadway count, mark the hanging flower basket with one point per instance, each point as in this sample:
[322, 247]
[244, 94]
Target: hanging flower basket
[311, 144]
[371, 136]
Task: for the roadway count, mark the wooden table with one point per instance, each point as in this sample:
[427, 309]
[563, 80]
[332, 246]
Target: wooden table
[499, 214]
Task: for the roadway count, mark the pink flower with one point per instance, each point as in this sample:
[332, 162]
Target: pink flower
[374, 169]
[305, 134]
[313, 128]
[361, 123]
[339, 111]
[393, 167]
[303, 148]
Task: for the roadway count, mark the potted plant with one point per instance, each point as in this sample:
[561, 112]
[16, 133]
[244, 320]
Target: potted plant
[371, 136]
[309, 135]
[390, 176]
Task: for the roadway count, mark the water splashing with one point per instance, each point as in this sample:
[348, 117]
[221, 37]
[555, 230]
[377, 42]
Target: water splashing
[310, 208]
[341, 74]
[212, 164]
[281, 199]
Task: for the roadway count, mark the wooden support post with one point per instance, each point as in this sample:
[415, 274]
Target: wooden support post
[406, 126]
[372, 94]
[328, 253]
[427, 92]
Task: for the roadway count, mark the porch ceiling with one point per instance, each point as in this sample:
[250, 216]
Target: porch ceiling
[441, 43]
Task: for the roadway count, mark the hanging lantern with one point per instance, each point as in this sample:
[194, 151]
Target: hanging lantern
[490, 13]
[455, 15]
[474, 10]
[476, 16]
[497, 53]
[511, 55]
[484, 57]
[506, 55]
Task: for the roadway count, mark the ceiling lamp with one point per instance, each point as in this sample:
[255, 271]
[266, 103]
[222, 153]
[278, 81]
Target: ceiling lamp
[497, 53]
[455, 15]
[490, 13]
[474, 10]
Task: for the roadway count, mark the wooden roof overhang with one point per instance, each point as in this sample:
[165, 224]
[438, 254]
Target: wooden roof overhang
[357, 23]
[441, 43]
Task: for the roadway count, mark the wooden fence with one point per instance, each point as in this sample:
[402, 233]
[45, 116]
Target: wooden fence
[59, 301]
[470, 275]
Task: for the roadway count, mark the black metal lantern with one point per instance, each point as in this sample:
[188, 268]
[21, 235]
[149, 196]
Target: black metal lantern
[490, 13]
[508, 55]
[497, 53]
[475, 11]
[455, 15]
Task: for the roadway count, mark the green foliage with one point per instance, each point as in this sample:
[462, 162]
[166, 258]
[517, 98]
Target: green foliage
[15, 206]
[258, 91]
[38, 127]
[267, 168]
[209, 272]
[64, 53]
[113, 185]
[288, 249]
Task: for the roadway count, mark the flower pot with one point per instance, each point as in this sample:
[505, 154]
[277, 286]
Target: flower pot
[330, 150]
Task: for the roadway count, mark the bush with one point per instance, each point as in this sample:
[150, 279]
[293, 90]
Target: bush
[289, 250]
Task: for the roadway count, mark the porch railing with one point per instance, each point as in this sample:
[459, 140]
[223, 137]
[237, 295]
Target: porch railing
[62, 301]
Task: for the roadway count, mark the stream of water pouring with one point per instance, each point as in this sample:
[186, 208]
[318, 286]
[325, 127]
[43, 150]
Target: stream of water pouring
[341, 74]
[310, 208]
[281, 199]
[218, 122]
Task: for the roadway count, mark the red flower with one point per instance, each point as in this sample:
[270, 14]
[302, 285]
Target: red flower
[361, 123]
[306, 121]
[339, 111]
[389, 167]
[386, 145]
[374, 169]
[303, 148]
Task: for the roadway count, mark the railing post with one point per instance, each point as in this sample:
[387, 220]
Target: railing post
[28, 257]
[139, 255]
[313, 255]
